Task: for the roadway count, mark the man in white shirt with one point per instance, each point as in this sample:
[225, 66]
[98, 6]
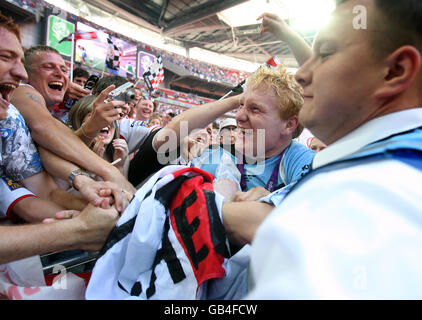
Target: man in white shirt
[350, 229]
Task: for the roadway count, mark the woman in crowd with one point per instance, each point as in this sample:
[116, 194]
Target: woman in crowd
[107, 143]
[156, 120]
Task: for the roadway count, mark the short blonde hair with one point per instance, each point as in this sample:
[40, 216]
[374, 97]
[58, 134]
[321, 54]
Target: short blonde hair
[288, 91]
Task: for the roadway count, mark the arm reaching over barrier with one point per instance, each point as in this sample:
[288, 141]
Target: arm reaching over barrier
[86, 231]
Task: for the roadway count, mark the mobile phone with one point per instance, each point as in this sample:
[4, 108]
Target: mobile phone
[91, 82]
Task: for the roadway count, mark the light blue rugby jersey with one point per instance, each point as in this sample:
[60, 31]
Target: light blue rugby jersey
[296, 161]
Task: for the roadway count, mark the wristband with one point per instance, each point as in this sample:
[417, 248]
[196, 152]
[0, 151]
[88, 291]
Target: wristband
[75, 173]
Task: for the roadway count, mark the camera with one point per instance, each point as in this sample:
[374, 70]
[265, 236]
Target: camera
[91, 82]
[123, 93]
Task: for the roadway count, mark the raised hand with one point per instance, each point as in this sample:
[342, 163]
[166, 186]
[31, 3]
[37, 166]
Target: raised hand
[104, 112]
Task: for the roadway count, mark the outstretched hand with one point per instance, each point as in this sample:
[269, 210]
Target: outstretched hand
[273, 24]
[253, 194]
[94, 225]
[103, 193]
[104, 112]
[75, 91]
[61, 215]
[227, 188]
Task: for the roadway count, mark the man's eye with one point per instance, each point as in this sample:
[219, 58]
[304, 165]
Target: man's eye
[325, 54]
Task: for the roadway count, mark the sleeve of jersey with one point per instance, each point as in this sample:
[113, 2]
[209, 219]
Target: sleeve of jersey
[11, 193]
[276, 198]
[20, 156]
[135, 133]
[297, 162]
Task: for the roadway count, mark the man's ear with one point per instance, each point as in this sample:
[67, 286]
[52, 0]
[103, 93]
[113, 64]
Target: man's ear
[290, 125]
[400, 71]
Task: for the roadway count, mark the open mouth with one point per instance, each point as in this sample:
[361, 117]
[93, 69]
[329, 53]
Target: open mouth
[5, 90]
[55, 85]
[105, 131]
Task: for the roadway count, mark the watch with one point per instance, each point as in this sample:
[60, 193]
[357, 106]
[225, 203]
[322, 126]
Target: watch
[75, 173]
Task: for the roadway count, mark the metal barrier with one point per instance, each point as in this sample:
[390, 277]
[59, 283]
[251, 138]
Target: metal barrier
[74, 261]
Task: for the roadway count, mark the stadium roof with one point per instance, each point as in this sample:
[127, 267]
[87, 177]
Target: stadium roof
[194, 23]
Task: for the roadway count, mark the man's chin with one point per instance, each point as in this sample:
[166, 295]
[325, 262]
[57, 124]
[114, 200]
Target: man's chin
[56, 99]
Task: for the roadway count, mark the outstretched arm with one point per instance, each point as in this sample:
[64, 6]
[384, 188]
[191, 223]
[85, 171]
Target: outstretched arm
[96, 192]
[273, 24]
[87, 231]
[56, 137]
[240, 219]
[33, 209]
[195, 118]
[44, 186]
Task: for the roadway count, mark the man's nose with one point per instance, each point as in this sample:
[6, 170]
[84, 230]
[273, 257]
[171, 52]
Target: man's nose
[304, 75]
[18, 72]
[241, 114]
[59, 72]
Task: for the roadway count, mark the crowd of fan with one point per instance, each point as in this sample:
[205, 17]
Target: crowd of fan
[201, 69]
[93, 154]
[77, 159]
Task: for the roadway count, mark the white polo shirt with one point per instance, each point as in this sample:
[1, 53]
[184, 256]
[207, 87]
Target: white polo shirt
[135, 132]
[351, 233]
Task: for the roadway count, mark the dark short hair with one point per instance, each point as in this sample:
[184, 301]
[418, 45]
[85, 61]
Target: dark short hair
[105, 82]
[34, 50]
[396, 24]
[80, 72]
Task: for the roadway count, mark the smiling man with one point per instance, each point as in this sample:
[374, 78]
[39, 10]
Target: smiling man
[47, 73]
[11, 66]
[350, 229]
[19, 157]
[144, 109]
[267, 121]
[62, 152]
[89, 229]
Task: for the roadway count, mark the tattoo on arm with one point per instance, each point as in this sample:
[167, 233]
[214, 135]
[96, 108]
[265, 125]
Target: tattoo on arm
[33, 97]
